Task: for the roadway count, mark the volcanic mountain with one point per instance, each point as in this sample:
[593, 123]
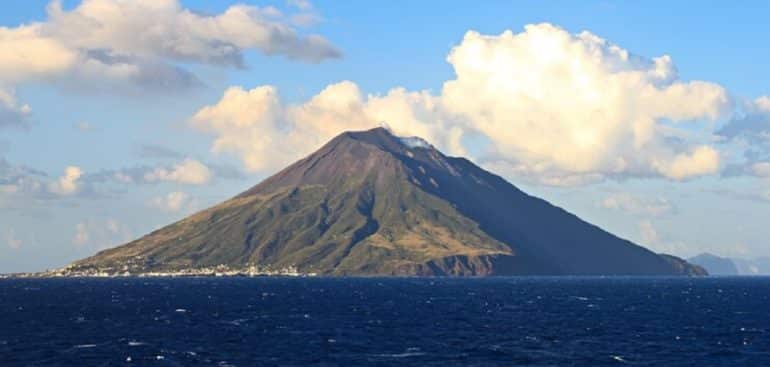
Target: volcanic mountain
[371, 203]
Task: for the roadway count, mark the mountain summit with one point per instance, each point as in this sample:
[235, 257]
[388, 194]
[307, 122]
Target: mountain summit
[371, 203]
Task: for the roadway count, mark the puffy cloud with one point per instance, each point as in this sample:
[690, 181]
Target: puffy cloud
[18, 182]
[753, 124]
[253, 125]
[635, 205]
[28, 53]
[267, 133]
[248, 123]
[68, 183]
[189, 171]
[703, 160]
[551, 101]
[748, 131]
[558, 108]
[22, 187]
[42, 51]
[11, 112]
[100, 234]
[142, 43]
[162, 28]
[173, 202]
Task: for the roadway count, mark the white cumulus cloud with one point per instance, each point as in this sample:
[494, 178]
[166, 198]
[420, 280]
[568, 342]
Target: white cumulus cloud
[163, 28]
[173, 202]
[189, 171]
[140, 43]
[702, 160]
[267, 133]
[560, 108]
[12, 113]
[68, 183]
[578, 104]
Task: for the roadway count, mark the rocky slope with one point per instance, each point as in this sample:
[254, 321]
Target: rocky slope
[370, 203]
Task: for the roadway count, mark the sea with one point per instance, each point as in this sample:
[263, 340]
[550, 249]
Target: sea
[274, 321]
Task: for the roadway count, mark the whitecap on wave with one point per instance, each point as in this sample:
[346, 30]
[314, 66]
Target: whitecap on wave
[84, 346]
[619, 359]
[410, 352]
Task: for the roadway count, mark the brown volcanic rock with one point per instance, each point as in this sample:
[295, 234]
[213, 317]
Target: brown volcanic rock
[369, 203]
[684, 267]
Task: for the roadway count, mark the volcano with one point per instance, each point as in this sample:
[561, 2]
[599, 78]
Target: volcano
[372, 203]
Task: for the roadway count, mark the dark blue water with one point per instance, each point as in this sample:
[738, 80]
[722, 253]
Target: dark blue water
[382, 322]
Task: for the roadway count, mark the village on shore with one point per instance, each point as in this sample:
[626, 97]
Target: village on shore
[213, 271]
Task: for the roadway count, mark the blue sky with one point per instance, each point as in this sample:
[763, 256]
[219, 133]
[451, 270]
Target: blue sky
[144, 159]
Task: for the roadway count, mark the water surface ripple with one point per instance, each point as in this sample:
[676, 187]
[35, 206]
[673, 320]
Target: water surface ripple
[541, 321]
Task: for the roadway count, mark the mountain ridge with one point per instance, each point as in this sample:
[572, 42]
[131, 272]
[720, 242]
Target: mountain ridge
[719, 265]
[370, 203]
[715, 265]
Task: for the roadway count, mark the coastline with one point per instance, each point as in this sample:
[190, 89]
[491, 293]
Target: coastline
[217, 271]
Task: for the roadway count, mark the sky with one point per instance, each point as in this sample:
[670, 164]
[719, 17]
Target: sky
[649, 119]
